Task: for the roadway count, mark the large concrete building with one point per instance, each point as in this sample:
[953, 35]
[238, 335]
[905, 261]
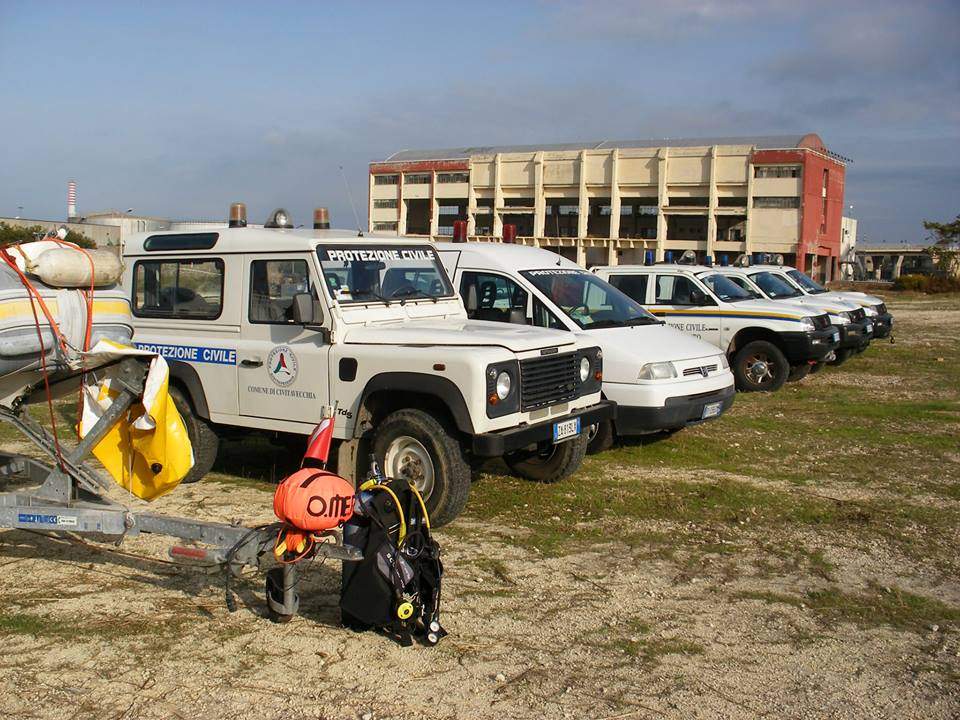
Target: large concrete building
[625, 202]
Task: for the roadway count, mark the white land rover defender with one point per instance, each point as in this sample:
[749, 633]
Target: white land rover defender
[660, 378]
[270, 329]
[765, 342]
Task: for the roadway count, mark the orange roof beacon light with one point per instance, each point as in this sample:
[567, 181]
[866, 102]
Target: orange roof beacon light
[238, 215]
[321, 219]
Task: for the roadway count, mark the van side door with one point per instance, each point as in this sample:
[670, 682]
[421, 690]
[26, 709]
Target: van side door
[282, 367]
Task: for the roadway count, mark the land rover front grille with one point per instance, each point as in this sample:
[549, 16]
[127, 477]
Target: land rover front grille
[703, 370]
[859, 314]
[549, 380]
[821, 321]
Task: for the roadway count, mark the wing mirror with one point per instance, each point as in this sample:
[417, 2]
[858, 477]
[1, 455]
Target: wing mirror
[306, 310]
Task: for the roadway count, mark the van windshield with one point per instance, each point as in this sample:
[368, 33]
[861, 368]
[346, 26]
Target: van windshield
[590, 302]
[806, 282]
[775, 286]
[392, 273]
[726, 289]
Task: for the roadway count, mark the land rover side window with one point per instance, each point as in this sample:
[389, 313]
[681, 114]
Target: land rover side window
[190, 289]
[675, 290]
[273, 283]
[634, 286]
[493, 297]
[775, 286]
[589, 301]
[383, 273]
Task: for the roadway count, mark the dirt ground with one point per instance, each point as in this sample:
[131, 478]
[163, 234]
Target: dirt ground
[674, 579]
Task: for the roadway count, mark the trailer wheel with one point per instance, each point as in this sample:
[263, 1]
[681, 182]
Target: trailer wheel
[203, 438]
[798, 372]
[551, 464]
[759, 366]
[600, 437]
[415, 445]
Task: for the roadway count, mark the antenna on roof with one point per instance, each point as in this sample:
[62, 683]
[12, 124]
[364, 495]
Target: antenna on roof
[353, 207]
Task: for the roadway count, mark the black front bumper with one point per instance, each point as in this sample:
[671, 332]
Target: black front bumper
[882, 325]
[496, 444]
[801, 347]
[854, 335]
[676, 413]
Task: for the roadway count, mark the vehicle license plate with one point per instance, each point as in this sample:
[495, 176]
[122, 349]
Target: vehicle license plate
[835, 336]
[566, 429]
[869, 327]
[711, 410]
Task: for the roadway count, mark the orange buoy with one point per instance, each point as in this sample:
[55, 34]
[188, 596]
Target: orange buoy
[314, 500]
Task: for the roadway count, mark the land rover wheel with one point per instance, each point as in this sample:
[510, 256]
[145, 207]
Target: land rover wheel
[760, 366]
[549, 464]
[414, 445]
[798, 372]
[842, 355]
[599, 437]
[203, 438]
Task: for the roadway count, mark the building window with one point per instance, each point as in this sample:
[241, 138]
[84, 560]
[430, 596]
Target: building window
[385, 227]
[779, 203]
[385, 204]
[385, 179]
[453, 177]
[731, 202]
[688, 201]
[416, 179]
[273, 283]
[187, 289]
[776, 171]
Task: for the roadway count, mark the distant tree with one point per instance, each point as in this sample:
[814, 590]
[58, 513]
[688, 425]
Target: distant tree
[14, 234]
[945, 250]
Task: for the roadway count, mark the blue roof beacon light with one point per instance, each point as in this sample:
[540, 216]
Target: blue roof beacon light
[708, 261]
[668, 256]
[724, 260]
[648, 257]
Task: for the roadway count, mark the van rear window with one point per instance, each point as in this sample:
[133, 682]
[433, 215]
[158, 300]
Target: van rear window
[188, 288]
[182, 241]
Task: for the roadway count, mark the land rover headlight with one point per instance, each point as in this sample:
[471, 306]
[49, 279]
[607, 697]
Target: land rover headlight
[807, 324]
[584, 369]
[504, 384]
[657, 371]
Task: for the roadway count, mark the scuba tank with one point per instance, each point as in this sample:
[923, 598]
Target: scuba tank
[395, 588]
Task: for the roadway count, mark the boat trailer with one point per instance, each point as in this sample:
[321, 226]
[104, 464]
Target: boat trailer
[71, 499]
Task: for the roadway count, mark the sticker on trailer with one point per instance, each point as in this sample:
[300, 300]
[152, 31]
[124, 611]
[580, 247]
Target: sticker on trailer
[191, 353]
[38, 519]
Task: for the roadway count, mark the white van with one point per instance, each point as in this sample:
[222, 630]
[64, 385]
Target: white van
[766, 343]
[660, 378]
[270, 329]
[848, 317]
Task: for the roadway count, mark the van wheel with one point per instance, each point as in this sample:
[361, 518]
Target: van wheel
[841, 357]
[599, 437]
[798, 372]
[759, 366]
[550, 465]
[203, 437]
[415, 445]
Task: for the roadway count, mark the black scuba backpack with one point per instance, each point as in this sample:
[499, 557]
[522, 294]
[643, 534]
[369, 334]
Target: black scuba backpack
[395, 588]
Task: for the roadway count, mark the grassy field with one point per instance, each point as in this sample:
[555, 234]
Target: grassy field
[797, 558]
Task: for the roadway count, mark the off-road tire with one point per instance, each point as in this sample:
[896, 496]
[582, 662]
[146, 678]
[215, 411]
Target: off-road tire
[562, 460]
[798, 372]
[603, 440]
[842, 355]
[451, 471]
[203, 438]
[778, 367]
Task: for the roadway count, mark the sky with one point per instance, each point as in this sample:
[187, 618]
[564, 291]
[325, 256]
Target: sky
[177, 109]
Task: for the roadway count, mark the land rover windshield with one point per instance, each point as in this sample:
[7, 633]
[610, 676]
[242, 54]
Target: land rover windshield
[775, 286]
[590, 302]
[806, 282]
[726, 289]
[393, 273]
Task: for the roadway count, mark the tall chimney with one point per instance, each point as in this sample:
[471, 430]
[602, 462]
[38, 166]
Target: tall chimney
[71, 199]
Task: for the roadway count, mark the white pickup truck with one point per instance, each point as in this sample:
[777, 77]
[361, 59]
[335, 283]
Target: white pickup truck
[765, 342]
[272, 329]
[660, 378]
